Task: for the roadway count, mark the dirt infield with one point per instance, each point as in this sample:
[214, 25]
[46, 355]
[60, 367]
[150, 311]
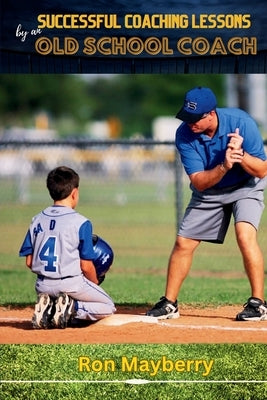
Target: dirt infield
[212, 325]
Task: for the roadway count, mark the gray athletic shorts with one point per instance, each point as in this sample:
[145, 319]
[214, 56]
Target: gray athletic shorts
[208, 214]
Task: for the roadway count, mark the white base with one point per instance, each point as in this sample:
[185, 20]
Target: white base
[121, 319]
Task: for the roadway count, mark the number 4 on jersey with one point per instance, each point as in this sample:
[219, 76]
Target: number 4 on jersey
[47, 254]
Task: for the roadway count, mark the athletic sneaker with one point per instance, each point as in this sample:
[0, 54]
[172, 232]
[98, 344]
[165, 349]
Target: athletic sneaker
[43, 312]
[164, 309]
[65, 310]
[254, 310]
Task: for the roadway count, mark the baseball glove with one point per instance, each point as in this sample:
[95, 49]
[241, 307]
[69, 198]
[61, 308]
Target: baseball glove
[103, 257]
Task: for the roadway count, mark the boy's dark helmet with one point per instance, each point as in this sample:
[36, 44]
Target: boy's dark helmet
[103, 255]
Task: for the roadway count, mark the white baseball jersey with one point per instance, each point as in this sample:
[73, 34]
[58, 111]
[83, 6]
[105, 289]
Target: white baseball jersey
[58, 238]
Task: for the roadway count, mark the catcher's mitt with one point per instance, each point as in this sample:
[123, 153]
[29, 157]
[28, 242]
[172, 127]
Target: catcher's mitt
[103, 257]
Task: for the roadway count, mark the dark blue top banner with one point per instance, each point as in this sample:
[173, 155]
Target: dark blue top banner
[133, 37]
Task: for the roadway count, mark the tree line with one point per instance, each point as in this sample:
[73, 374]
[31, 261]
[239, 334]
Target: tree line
[133, 100]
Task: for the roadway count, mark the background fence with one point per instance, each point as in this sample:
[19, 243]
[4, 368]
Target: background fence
[118, 172]
[134, 192]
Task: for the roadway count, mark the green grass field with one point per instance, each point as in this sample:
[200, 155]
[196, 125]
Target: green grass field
[53, 372]
[142, 234]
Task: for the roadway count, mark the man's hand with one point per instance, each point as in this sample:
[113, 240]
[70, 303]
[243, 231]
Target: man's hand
[236, 140]
[234, 153]
[233, 156]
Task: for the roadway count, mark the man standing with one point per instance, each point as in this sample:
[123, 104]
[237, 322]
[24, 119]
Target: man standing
[223, 154]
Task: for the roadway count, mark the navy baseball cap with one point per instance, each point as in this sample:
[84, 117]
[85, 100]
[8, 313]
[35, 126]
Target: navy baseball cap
[197, 102]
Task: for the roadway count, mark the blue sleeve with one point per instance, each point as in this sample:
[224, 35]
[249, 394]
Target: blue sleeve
[26, 247]
[190, 157]
[86, 242]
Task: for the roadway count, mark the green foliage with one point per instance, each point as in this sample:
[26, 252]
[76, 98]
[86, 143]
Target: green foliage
[59, 95]
[138, 99]
[71, 100]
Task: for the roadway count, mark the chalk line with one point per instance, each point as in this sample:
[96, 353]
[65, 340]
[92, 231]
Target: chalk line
[124, 321]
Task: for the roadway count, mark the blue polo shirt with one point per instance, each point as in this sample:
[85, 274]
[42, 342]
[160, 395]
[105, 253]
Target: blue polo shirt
[199, 152]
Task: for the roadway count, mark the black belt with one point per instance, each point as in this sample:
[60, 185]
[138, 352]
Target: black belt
[42, 277]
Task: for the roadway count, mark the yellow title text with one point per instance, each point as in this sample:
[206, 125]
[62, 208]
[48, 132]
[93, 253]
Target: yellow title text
[149, 366]
[152, 46]
[144, 21]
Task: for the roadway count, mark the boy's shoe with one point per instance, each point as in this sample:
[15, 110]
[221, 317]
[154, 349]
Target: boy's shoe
[65, 310]
[254, 310]
[43, 312]
[164, 309]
